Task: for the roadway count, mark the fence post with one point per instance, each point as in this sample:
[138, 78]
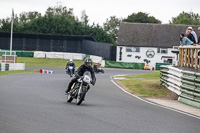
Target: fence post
[198, 60]
[182, 57]
[179, 60]
[188, 57]
[192, 58]
[185, 57]
[196, 57]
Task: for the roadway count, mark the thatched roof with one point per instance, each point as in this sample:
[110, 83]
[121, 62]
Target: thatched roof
[150, 35]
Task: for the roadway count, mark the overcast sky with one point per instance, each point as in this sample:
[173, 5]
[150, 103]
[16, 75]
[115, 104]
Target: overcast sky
[99, 10]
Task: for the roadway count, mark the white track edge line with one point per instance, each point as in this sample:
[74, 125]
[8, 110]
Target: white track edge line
[185, 113]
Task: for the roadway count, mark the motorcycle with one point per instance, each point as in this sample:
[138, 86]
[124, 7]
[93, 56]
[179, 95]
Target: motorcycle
[80, 88]
[70, 71]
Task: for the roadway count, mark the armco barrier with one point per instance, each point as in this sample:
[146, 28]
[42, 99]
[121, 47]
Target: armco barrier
[115, 64]
[159, 64]
[16, 66]
[12, 66]
[184, 83]
[58, 55]
[74, 56]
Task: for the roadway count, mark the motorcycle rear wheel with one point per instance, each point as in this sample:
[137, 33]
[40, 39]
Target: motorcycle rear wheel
[80, 97]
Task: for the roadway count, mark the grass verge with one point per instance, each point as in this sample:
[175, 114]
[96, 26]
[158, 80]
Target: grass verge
[18, 71]
[145, 85]
[29, 61]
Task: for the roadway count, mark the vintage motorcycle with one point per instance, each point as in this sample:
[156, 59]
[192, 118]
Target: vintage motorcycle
[80, 88]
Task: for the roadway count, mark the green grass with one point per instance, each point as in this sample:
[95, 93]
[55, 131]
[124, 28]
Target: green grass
[18, 71]
[146, 85]
[29, 61]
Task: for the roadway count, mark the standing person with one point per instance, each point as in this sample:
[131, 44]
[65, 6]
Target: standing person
[199, 35]
[195, 40]
[87, 66]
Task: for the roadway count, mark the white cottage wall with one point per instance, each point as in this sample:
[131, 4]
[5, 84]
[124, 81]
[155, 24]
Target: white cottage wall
[131, 56]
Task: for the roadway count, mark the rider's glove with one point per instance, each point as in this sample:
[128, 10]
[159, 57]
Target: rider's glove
[77, 76]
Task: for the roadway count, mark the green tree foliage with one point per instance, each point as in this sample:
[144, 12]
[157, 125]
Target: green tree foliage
[186, 18]
[57, 20]
[141, 17]
[111, 26]
[84, 18]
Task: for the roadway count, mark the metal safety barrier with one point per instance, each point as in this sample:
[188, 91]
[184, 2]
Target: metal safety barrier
[186, 84]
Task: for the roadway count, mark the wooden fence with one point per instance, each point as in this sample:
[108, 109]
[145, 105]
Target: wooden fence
[188, 57]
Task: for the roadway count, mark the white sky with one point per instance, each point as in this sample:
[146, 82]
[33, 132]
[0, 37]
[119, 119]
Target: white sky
[99, 10]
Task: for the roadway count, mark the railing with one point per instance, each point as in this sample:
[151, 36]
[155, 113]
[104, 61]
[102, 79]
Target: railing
[6, 57]
[188, 57]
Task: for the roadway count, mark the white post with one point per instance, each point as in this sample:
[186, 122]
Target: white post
[11, 39]
[12, 20]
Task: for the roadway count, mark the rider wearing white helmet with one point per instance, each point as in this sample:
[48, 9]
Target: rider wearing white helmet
[70, 63]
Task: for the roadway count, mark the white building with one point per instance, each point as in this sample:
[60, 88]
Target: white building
[143, 54]
[153, 43]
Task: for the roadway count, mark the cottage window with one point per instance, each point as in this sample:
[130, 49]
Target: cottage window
[128, 49]
[162, 50]
[132, 49]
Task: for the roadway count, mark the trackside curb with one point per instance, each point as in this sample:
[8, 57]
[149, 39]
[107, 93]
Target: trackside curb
[154, 103]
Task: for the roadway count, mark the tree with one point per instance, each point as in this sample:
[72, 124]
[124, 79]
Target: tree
[57, 20]
[186, 18]
[141, 17]
[111, 26]
[84, 18]
[5, 25]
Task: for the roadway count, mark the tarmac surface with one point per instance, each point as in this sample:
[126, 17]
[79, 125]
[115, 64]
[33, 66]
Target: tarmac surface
[177, 105]
[171, 104]
[35, 103]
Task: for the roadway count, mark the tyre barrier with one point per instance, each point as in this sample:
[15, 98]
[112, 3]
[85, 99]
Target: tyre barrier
[43, 71]
[186, 84]
[4, 67]
[12, 66]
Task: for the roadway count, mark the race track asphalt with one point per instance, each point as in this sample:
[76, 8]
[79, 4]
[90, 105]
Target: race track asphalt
[35, 103]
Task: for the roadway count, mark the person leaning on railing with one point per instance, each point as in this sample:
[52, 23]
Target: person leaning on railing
[199, 34]
[192, 35]
[185, 41]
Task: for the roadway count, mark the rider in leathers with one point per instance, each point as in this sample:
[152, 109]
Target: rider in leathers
[87, 66]
[70, 63]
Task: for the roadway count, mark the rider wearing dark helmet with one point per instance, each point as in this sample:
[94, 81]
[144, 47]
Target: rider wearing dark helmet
[87, 66]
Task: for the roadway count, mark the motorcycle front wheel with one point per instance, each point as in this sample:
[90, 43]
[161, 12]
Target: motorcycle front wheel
[69, 98]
